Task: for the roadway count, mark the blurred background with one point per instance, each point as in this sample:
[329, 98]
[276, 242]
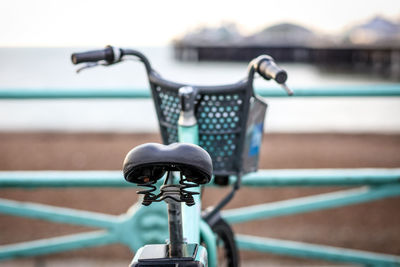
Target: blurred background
[319, 43]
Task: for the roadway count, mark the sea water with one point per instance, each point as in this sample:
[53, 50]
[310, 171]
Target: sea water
[51, 68]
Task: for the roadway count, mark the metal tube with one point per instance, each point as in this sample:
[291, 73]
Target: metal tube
[57, 244]
[175, 229]
[191, 215]
[335, 91]
[304, 250]
[70, 93]
[267, 178]
[32, 179]
[210, 241]
[320, 177]
[311, 203]
[322, 91]
[57, 214]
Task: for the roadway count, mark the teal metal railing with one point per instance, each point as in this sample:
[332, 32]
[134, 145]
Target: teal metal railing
[128, 228]
[377, 90]
[140, 226]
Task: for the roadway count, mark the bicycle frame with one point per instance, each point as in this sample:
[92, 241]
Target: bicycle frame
[193, 225]
[188, 132]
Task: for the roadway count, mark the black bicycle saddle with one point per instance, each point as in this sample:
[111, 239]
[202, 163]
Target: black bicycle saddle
[149, 162]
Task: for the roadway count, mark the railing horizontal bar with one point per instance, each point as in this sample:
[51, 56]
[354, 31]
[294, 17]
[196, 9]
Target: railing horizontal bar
[70, 93]
[29, 179]
[311, 203]
[268, 178]
[57, 244]
[320, 177]
[304, 250]
[336, 91]
[321, 91]
[57, 214]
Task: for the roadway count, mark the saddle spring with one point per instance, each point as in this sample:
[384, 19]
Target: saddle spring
[149, 196]
[186, 195]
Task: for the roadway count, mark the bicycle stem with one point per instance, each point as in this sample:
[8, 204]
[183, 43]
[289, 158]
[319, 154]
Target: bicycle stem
[187, 96]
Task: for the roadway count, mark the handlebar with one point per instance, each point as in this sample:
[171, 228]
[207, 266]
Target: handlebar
[108, 54]
[264, 65]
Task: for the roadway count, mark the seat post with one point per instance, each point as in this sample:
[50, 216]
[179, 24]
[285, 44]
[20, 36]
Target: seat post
[176, 240]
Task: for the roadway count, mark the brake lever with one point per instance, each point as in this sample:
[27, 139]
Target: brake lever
[87, 66]
[287, 89]
[93, 64]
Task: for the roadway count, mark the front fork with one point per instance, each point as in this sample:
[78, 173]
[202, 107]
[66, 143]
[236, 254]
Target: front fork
[188, 132]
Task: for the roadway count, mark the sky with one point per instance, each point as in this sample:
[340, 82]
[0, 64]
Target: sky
[63, 23]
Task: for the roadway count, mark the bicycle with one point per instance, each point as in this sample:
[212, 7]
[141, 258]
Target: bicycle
[227, 122]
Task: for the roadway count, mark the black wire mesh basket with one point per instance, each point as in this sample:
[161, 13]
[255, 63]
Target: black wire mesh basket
[230, 120]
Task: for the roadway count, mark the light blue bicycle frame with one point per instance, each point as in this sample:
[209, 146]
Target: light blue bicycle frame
[193, 226]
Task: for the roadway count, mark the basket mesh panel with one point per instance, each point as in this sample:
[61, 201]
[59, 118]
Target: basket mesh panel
[170, 109]
[219, 118]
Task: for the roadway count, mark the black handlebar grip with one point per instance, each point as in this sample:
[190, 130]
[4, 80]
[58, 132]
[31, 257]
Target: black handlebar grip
[106, 54]
[269, 70]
